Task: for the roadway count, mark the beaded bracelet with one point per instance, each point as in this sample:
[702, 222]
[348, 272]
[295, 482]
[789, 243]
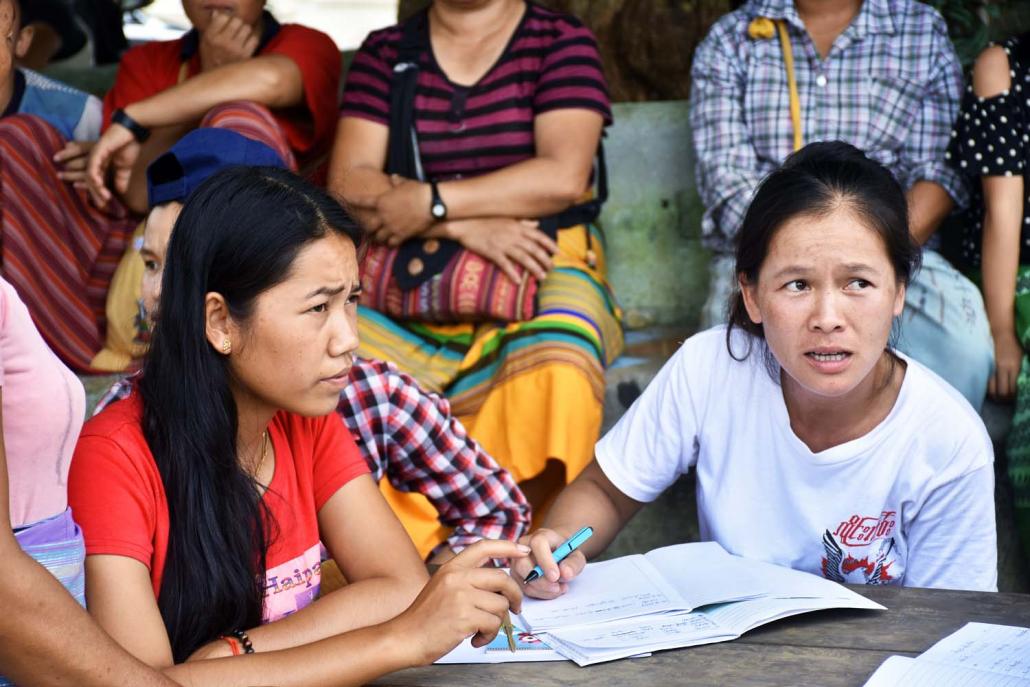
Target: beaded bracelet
[248, 647]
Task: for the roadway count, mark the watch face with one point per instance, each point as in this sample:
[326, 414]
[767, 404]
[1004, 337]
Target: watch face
[439, 210]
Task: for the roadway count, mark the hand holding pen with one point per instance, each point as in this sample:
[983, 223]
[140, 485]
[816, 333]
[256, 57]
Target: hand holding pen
[555, 560]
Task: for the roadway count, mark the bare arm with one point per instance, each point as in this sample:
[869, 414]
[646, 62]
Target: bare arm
[356, 176]
[551, 181]
[464, 600]
[383, 571]
[1002, 222]
[379, 561]
[591, 499]
[271, 80]
[928, 205]
[934, 187]
[356, 170]
[35, 603]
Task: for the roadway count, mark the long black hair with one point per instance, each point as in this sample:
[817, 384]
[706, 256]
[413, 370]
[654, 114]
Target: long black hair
[238, 235]
[815, 181]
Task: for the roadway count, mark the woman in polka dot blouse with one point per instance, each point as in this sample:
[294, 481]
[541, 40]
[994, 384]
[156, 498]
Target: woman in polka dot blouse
[990, 145]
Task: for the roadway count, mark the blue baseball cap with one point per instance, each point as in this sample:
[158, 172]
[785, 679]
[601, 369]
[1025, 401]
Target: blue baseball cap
[198, 155]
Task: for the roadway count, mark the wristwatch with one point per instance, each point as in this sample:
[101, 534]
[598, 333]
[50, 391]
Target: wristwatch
[437, 208]
[138, 131]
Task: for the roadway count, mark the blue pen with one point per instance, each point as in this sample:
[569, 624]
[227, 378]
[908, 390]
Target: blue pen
[570, 545]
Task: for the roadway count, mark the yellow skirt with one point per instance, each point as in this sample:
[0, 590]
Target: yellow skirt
[526, 391]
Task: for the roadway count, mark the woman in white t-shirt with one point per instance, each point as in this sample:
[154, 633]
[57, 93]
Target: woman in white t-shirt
[816, 445]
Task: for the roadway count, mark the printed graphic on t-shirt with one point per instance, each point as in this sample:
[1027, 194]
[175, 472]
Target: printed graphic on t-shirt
[862, 550]
[292, 585]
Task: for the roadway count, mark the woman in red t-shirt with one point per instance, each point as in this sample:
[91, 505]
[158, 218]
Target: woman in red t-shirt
[204, 496]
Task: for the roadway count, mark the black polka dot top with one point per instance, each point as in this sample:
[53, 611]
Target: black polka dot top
[991, 138]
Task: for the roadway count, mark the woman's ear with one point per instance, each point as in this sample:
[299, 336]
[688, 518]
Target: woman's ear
[748, 291]
[218, 324]
[23, 40]
[899, 300]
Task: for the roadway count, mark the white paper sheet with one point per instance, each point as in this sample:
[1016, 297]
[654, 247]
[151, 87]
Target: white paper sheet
[978, 655]
[996, 648]
[915, 672]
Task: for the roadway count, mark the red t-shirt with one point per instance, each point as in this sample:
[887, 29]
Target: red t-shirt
[118, 498]
[151, 68]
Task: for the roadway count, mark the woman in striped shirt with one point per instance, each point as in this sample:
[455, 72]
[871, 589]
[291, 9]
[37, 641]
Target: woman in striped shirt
[509, 108]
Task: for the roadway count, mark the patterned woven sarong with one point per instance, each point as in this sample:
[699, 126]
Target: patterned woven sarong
[526, 391]
[59, 251]
[56, 544]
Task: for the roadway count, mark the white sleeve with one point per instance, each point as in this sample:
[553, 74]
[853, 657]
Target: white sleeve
[952, 541]
[88, 127]
[655, 441]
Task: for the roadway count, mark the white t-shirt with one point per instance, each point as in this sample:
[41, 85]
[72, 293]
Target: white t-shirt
[911, 502]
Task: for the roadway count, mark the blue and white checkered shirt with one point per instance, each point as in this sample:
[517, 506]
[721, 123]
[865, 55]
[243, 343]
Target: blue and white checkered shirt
[890, 85]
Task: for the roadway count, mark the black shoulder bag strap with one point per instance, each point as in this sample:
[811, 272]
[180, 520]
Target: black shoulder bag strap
[414, 264]
[403, 158]
[402, 154]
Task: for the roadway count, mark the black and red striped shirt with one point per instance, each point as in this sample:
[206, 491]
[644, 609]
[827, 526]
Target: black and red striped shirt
[551, 63]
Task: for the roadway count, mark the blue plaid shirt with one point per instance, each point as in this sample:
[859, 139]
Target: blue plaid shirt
[890, 85]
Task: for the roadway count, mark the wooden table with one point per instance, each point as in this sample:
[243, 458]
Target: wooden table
[824, 649]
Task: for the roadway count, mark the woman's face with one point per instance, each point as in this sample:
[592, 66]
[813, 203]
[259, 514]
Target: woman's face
[156, 233]
[295, 350]
[826, 296]
[199, 12]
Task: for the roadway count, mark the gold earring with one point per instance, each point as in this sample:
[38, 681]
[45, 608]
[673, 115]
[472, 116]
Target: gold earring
[226, 346]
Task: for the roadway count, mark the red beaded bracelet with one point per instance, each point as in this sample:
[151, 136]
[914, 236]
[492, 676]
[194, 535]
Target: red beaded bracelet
[244, 640]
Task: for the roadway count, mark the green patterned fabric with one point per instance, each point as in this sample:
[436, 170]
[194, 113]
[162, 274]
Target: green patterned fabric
[1017, 447]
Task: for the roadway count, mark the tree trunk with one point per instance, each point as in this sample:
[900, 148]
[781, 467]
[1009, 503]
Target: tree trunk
[646, 45]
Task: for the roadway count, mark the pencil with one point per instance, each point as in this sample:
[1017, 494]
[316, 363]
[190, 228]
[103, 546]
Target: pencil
[508, 630]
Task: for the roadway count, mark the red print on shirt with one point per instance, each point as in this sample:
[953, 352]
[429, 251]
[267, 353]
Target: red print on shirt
[870, 565]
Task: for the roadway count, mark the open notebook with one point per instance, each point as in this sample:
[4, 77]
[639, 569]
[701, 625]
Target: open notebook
[672, 597]
[978, 655]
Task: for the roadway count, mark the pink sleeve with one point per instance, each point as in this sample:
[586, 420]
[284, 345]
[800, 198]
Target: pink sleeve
[4, 309]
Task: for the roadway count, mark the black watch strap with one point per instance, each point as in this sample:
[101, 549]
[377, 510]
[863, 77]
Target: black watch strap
[139, 132]
[437, 208]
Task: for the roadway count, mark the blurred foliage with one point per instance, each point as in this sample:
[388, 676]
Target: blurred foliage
[968, 24]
